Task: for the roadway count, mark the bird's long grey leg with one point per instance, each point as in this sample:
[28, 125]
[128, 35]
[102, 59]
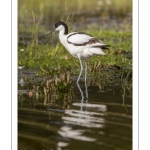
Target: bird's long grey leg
[81, 69]
[85, 71]
[86, 90]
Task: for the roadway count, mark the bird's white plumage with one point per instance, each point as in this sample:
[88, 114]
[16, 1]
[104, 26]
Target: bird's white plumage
[78, 45]
[88, 52]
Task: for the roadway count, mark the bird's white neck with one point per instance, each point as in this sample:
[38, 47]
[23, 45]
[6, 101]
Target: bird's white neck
[61, 36]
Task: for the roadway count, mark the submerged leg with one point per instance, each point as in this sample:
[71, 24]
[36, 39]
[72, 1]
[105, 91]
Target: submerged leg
[86, 90]
[81, 69]
[82, 95]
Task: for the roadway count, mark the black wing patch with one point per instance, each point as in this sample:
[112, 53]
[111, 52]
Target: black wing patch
[102, 46]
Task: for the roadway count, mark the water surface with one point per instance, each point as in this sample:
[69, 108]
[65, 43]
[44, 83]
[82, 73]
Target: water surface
[71, 121]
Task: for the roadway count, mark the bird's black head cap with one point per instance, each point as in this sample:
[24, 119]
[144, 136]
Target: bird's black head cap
[57, 24]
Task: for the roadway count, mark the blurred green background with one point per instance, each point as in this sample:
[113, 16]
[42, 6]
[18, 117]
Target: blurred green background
[47, 12]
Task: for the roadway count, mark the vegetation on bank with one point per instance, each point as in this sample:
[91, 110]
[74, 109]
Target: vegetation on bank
[51, 57]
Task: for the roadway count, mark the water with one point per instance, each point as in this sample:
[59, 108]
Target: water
[71, 121]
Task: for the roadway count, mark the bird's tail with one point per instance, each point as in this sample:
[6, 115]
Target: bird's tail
[102, 46]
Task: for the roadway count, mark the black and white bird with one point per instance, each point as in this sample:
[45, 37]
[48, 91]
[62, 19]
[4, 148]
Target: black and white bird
[79, 44]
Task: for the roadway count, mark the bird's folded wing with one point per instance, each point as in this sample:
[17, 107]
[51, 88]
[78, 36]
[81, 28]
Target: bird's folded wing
[83, 39]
